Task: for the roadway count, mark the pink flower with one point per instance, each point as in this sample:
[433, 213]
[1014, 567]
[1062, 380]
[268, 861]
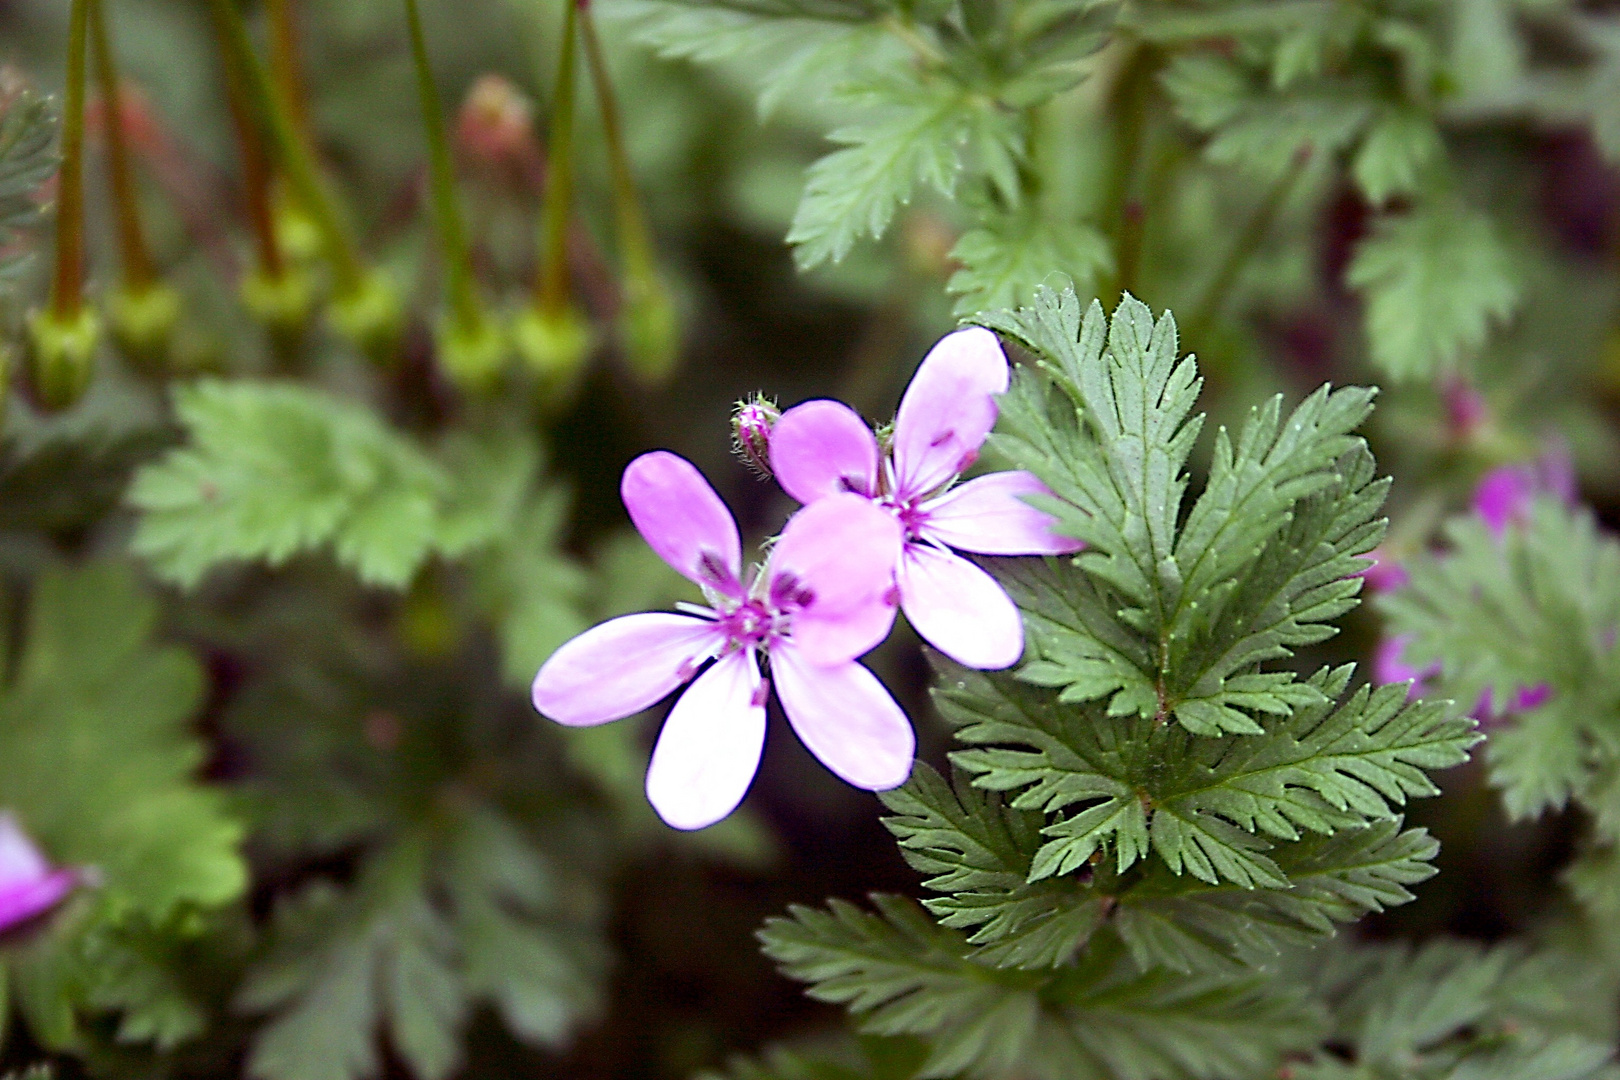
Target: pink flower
[1504, 494]
[821, 449]
[1385, 574]
[28, 885]
[1391, 666]
[824, 597]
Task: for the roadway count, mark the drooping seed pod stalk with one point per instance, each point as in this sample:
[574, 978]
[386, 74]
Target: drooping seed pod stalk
[649, 325]
[365, 306]
[142, 310]
[552, 335]
[471, 347]
[63, 335]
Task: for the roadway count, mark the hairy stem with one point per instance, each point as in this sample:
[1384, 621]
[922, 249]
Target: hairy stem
[68, 283]
[135, 260]
[464, 307]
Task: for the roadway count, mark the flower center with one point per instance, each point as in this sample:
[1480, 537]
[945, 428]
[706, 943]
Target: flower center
[911, 514]
[752, 624]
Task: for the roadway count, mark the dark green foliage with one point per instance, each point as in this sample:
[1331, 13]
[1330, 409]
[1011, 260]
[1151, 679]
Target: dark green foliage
[461, 911]
[1101, 1017]
[1456, 1010]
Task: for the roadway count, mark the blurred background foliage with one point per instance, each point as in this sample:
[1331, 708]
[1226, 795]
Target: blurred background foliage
[277, 561]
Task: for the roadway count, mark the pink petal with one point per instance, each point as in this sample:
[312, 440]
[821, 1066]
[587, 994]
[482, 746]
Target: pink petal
[20, 861]
[709, 749]
[834, 565]
[622, 666]
[822, 448]
[28, 885]
[959, 609]
[846, 718]
[24, 902]
[989, 516]
[683, 520]
[1504, 496]
[948, 410]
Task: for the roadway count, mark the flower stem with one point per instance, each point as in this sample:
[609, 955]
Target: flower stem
[635, 244]
[297, 160]
[1123, 211]
[551, 285]
[1245, 244]
[68, 283]
[285, 70]
[136, 261]
[464, 306]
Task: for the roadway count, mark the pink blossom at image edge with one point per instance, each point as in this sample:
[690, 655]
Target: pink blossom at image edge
[29, 887]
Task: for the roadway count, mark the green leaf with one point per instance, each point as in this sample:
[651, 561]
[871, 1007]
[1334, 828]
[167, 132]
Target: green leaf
[98, 762]
[912, 132]
[1209, 807]
[436, 922]
[1004, 260]
[27, 159]
[1398, 149]
[277, 470]
[1100, 1020]
[1535, 606]
[1434, 280]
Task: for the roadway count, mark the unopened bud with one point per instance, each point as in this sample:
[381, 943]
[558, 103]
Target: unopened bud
[496, 123]
[553, 345]
[650, 327]
[369, 316]
[751, 426]
[1466, 410]
[64, 355]
[473, 356]
[142, 323]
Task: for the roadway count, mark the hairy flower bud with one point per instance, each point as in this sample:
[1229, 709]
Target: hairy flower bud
[751, 425]
[496, 124]
[63, 354]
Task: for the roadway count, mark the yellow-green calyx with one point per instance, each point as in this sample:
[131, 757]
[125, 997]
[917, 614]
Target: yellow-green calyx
[280, 302]
[649, 327]
[63, 353]
[369, 315]
[553, 345]
[142, 322]
[473, 357]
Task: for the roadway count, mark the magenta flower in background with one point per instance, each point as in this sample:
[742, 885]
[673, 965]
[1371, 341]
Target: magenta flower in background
[28, 885]
[1504, 494]
[822, 449]
[1391, 666]
[1385, 574]
[824, 597]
